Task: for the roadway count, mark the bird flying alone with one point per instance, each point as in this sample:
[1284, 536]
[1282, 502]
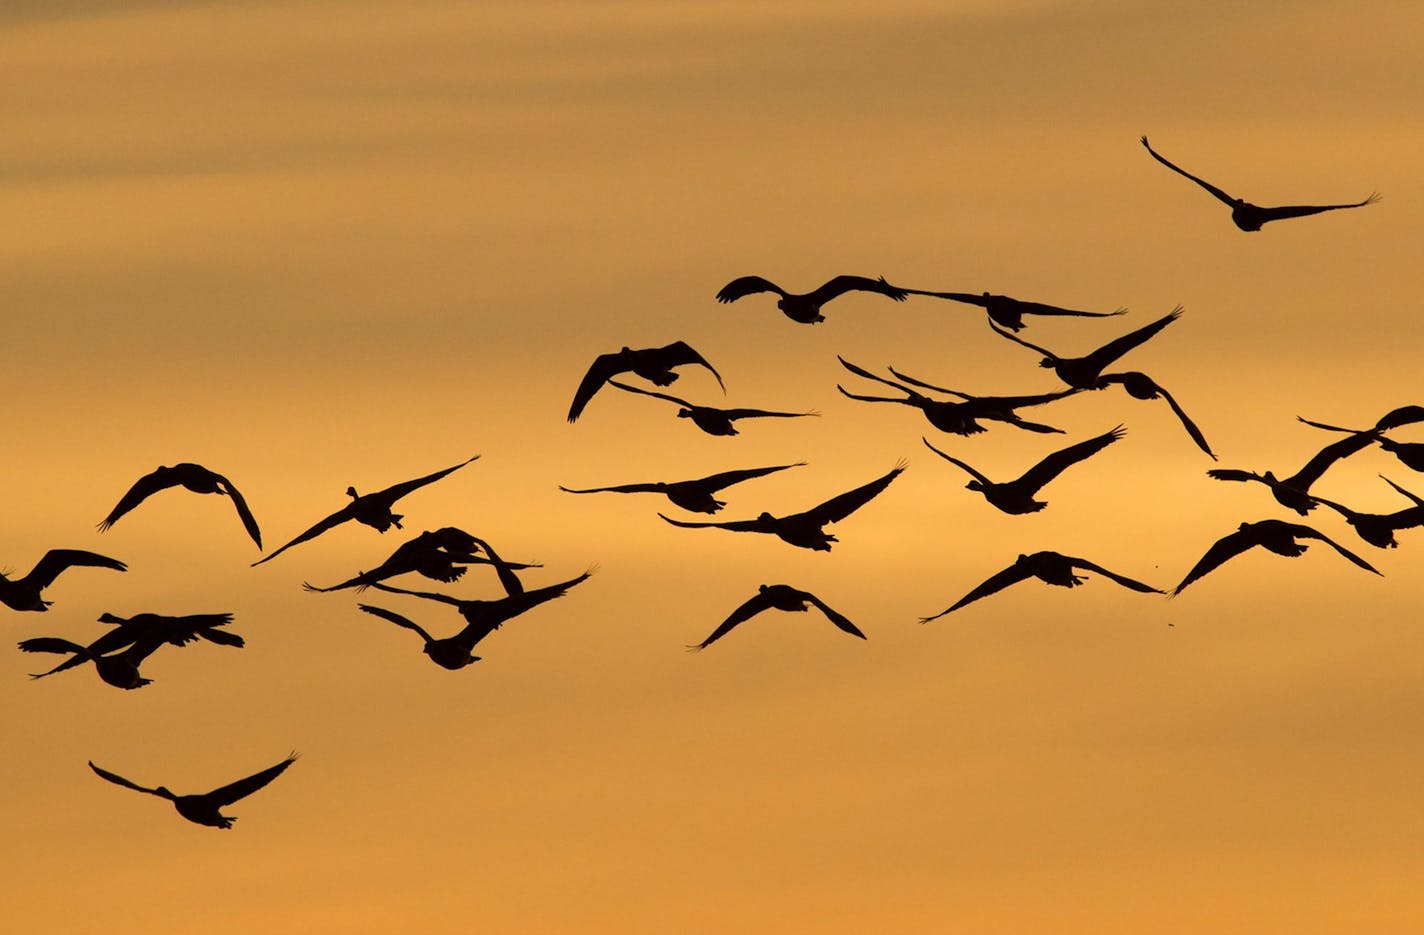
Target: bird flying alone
[1250, 217]
[805, 307]
[695, 496]
[1017, 496]
[193, 477]
[777, 597]
[1049, 567]
[1271, 534]
[205, 808]
[654, 364]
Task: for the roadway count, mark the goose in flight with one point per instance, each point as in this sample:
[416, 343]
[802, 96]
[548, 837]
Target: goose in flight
[1410, 454]
[372, 509]
[777, 597]
[653, 364]
[25, 593]
[1049, 567]
[1378, 529]
[1293, 492]
[205, 808]
[1009, 312]
[961, 416]
[194, 477]
[440, 556]
[1084, 373]
[1140, 386]
[481, 617]
[1017, 496]
[805, 529]
[1250, 217]
[140, 628]
[806, 307]
[710, 419]
[696, 495]
[120, 669]
[1271, 534]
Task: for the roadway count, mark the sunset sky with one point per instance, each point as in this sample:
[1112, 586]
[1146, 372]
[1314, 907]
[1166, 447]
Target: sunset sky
[312, 245]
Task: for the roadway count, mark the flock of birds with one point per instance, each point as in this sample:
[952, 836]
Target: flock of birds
[443, 555]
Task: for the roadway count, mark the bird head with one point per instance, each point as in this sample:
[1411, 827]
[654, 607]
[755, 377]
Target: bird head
[1048, 362]
[974, 485]
[351, 492]
[684, 413]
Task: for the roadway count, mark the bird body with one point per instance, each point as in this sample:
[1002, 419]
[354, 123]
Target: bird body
[778, 597]
[806, 307]
[205, 808]
[1049, 567]
[26, 593]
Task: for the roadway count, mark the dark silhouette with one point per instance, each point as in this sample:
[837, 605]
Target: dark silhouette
[958, 417]
[651, 363]
[804, 529]
[143, 628]
[1009, 312]
[1271, 534]
[481, 617]
[440, 556]
[120, 669]
[710, 419]
[1410, 454]
[1016, 496]
[372, 509]
[194, 477]
[806, 307]
[1378, 529]
[204, 808]
[25, 593]
[779, 597]
[1049, 567]
[692, 495]
[1141, 386]
[1250, 217]
[1084, 372]
[1294, 492]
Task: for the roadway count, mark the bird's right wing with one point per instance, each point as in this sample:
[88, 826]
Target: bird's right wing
[397, 619]
[839, 507]
[839, 619]
[728, 478]
[969, 470]
[1220, 195]
[750, 608]
[746, 285]
[118, 780]
[56, 561]
[1060, 460]
[740, 525]
[633, 389]
[226, 795]
[1305, 532]
[239, 503]
[143, 488]
[331, 522]
[620, 488]
[1227, 547]
[994, 583]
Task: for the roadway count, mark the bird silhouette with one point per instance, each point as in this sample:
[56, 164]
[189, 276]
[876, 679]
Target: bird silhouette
[805, 529]
[806, 307]
[205, 808]
[1017, 496]
[1410, 454]
[777, 597]
[710, 419]
[1084, 372]
[120, 669]
[372, 509]
[440, 555]
[194, 477]
[1140, 386]
[1293, 492]
[482, 617]
[1009, 312]
[1271, 534]
[1250, 217]
[651, 363]
[146, 632]
[1049, 567]
[25, 593]
[1378, 529]
[692, 495]
[958, 417]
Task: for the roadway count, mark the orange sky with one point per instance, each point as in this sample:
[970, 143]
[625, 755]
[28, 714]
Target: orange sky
[320, 244]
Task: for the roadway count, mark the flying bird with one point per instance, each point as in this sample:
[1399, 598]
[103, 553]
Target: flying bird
[1049, 567]
[1017, 496]
[1250, 217]
[194, 477]
[1293, 492]
[651, 363]
[205, 808]
[440, 555]
[805, 529]
[1140, 386]
[961, 416]
[120, 669]
[1084, 373]
[1271, 534]
[778, 597]
[696, 495]
[806, 307]
[1009, 312]
[25, 593]
[154, 629]
[1378, 529]
[1410, 454]
[710, 419]
[372, 509]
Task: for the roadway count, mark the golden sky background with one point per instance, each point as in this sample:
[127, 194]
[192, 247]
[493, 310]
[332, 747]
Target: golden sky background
[319, 244]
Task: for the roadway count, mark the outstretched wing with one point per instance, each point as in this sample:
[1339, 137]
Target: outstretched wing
[839, 507]
[429, 596]
[335, 519]
[1017, 340]
[239, 503]
[1306, 532]
[1120, 579]
[397, 619]
[620, 488]
[666, 396]
[1056, 463]
[753, 606]
[1227, 547]
[735, 414]
[56, 561]
[680, 352]
[980, 300]
[233, 791]
[1039, 308]
[1316, 466]
[952, 460]
[740, 525]
[747, 285]
[1115, 348]
[928, 386]
[1418, 501]
[713, 482]
[840, 285]
[840, 620]
[145, 487]
[1233, 474]
[1282, 212]
[1221, 195]
[603, 367]
[1015, 573]
[118, 780]
[862, 372]
[394, 492]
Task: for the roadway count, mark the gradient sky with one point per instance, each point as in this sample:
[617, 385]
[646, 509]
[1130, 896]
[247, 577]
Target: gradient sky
[319, 244]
